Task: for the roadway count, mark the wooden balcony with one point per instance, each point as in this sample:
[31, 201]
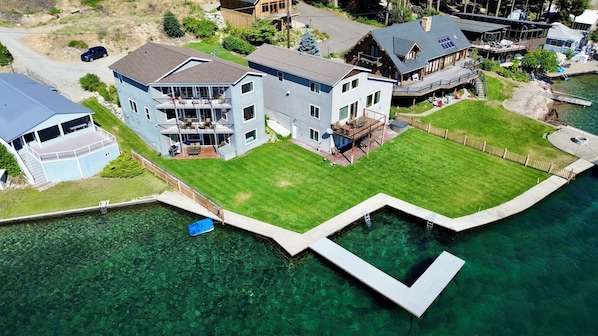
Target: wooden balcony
[368, 60]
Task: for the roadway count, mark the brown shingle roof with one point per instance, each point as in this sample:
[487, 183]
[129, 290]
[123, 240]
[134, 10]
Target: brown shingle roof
[156, 63]
[315, 68]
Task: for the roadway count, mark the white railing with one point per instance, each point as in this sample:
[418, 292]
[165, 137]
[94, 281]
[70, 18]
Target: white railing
[75, 153]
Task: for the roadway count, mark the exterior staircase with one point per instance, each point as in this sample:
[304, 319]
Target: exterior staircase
[34, 168]
[480, 87]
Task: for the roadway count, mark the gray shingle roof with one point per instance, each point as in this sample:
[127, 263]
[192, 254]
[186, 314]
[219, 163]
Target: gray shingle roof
[442, 26]
[402, 46]
[478, 26]
[158, 63]
[315, 68]
[25, 103]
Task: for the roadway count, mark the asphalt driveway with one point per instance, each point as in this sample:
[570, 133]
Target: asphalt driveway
[343, 32]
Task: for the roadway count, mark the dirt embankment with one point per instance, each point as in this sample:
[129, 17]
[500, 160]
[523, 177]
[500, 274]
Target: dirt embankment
[530, 99]
[120, 26]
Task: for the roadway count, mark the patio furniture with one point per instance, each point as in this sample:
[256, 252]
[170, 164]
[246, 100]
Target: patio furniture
[194, 148]
[208, 122]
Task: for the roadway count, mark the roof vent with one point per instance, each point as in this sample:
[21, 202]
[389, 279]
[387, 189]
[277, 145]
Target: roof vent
[426, 23]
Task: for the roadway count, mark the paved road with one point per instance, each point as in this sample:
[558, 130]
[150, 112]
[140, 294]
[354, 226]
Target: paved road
[343, 32]
[64, 75]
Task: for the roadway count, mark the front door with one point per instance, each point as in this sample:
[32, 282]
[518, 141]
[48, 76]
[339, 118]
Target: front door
[353, 111]
[294, 131]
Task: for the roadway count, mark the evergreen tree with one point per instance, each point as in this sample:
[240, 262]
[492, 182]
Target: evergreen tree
[172, 27]
[309, 45]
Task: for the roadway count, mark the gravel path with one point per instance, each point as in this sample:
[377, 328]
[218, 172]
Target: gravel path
[64, 75]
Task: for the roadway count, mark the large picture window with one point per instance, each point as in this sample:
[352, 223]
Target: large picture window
[250, 136]
[249, 113]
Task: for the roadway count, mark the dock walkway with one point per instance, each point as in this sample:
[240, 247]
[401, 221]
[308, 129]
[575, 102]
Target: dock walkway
[415, 299]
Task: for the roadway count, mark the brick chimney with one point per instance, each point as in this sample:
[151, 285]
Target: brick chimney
[426, 23]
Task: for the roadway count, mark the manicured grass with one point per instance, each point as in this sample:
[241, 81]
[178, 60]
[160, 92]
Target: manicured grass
[220, 52]
[489, 121]
[78, 194]
[285, 185]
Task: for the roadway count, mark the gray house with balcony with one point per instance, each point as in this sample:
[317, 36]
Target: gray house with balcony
[184, 102]
[52, 138]
[422, 56]
[324, 104]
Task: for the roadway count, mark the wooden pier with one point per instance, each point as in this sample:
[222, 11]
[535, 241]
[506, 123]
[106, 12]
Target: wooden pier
[567, 98]
[415, 299]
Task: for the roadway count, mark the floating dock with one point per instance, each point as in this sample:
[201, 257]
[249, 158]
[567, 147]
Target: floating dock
[571, 99]
[415, 299]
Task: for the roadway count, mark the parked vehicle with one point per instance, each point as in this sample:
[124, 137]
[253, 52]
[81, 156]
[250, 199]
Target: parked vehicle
[94, 53]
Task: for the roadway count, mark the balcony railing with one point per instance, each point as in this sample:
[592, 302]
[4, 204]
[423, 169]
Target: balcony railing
[422, 87]
[194, 126]
[77, 152]
[193, 103]
[369, 59]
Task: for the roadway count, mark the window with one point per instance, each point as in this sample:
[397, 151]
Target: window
[133, 106]
[273, 7]
[314, 135]
[314, 87]
[374, 50]
[377, 97]
[282, 4]
[343, 112]
[265, 8]
[187, 92]
[247, 87]
[147, 113]
[166, 90]
[249, 113]
[354, 83]
[170, 114]
[346, 87]
[280, 77]
[225, 115]
[369, 100]
[250, 136]
[314, 111]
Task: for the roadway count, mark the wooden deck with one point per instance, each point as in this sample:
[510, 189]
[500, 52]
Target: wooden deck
[415, 299]
[207, 152]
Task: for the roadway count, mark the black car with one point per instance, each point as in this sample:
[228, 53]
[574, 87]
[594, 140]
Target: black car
[94, 53]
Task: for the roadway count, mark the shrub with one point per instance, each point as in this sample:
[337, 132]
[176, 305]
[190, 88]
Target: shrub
[8, 162]
[78, 44]
[91, 82]
[54, 11]
[237, 45]
[122, 167]
[91, 3]
[235, 31]
[172, 27]
[200, 28]
[5, 55]
[261, 31]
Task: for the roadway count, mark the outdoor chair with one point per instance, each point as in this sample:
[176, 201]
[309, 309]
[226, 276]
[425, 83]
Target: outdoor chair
[208, 122]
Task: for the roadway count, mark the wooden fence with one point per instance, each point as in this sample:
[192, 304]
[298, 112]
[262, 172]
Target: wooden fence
[503, 153]
[181, 186]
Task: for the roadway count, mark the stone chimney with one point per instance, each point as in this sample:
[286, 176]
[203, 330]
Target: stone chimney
[426, 23]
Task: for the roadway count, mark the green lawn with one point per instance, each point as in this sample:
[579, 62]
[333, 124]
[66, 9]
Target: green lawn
[220, 52]
[285, 185]
[487, 120]
[77, 194]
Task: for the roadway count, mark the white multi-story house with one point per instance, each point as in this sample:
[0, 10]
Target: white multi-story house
[325, 104]
[180, 100]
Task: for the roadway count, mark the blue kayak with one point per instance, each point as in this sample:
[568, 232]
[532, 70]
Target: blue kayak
[202, 226]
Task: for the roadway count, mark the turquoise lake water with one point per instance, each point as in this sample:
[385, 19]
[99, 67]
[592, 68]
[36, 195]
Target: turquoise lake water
[137, 272]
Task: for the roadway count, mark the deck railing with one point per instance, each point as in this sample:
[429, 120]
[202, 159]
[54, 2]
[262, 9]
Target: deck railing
[185, 189]
[78, 152]
[503, 153]
[425, 88]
